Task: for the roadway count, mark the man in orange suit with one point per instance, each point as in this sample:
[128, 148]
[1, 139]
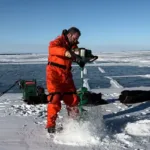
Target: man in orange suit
[60, 84]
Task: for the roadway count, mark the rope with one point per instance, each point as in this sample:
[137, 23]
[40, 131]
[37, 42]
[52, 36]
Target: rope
[9, 88]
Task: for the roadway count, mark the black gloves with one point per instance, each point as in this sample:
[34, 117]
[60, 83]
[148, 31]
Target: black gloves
[79, 61]
[81, 64]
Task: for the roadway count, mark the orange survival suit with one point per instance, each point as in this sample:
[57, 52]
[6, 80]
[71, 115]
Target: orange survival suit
[59, 79]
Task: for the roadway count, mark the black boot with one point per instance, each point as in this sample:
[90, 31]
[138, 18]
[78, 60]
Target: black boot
[51, 130]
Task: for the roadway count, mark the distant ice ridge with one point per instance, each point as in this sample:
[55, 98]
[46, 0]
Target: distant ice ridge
[138, 58]
[23, 59]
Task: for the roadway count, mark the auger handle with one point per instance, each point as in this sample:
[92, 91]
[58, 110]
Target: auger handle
[93, 58]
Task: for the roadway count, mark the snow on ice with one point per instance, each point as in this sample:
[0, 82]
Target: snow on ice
[109, 127]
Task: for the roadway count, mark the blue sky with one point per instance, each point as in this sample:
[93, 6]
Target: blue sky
[106, 25]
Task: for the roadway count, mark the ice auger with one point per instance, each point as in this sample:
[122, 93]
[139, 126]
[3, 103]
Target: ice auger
[86, 57]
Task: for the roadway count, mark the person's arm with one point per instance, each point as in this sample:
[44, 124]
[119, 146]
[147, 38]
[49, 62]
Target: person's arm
[56, 48]
[75, 50]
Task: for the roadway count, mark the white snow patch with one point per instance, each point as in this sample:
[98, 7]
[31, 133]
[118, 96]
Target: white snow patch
[114, 83]
[124, 138]
[101, 70]
[77, 133]
[138, 128]
[85, 71]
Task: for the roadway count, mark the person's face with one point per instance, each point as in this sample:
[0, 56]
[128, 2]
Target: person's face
[73, 38]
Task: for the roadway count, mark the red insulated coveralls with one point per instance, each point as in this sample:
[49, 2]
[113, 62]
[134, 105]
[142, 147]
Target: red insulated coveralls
[59, 79]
